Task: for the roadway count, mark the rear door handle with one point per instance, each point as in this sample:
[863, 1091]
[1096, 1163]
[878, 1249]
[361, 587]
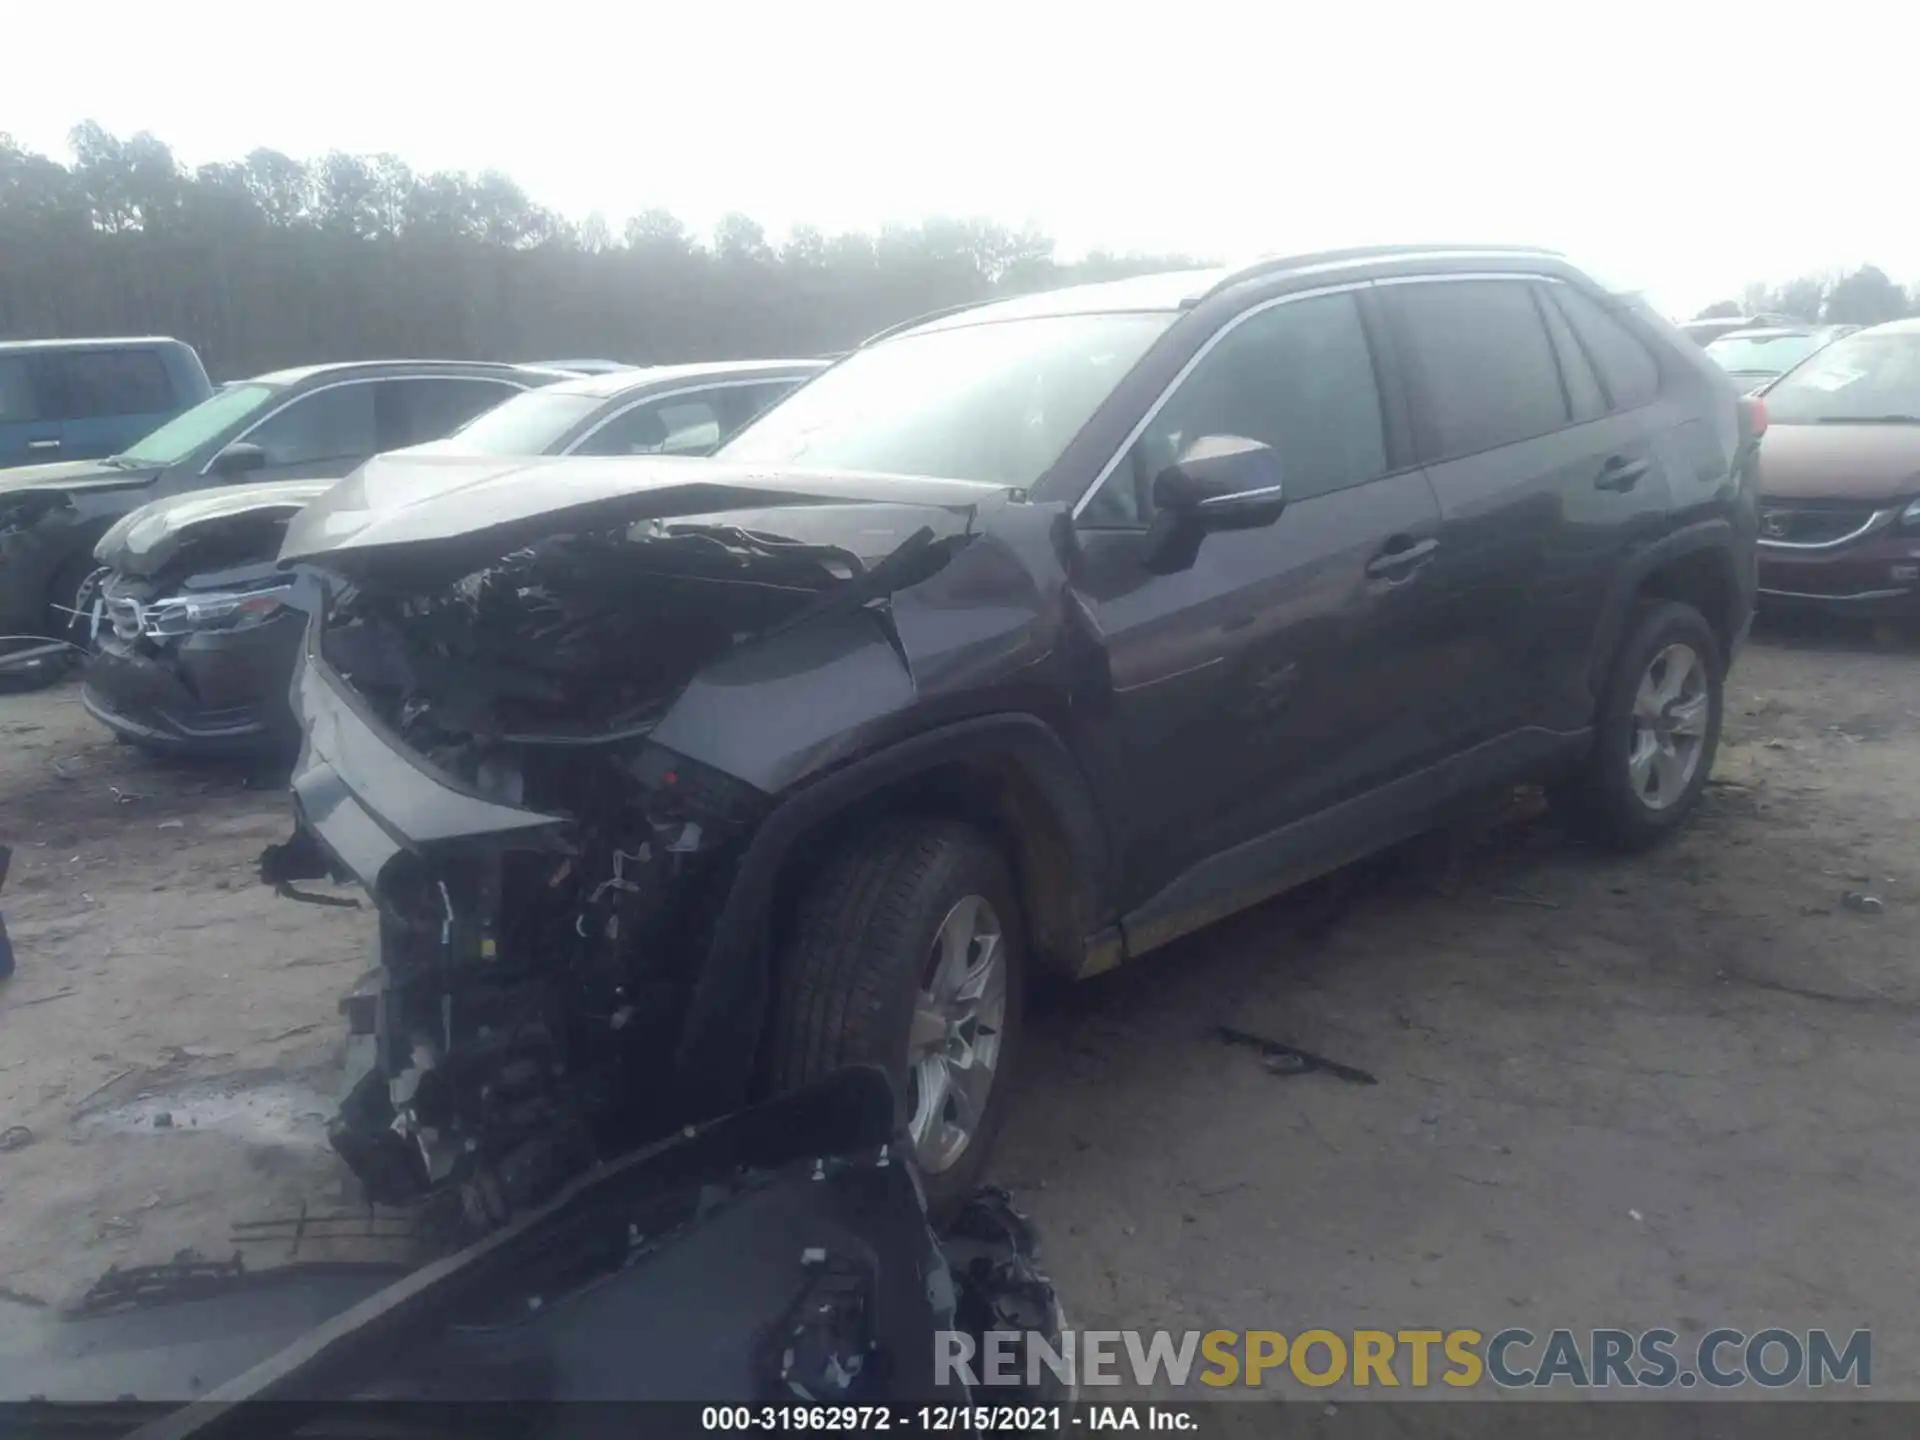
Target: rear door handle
[43, 444]
[1620, 473]
[1402, 556]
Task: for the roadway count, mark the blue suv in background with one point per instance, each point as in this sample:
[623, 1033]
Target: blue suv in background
[84, 399]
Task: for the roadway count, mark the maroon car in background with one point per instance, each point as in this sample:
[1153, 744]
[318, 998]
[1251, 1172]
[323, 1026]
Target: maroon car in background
[1840, 477]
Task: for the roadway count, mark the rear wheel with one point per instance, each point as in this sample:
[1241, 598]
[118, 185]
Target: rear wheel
[1658, 730]
[907, 952]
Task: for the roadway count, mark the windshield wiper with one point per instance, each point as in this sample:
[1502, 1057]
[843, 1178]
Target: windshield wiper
[1868, 420]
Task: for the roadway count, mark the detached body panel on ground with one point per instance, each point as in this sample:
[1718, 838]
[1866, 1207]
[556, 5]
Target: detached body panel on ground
[780, 1254]
[1023, 641]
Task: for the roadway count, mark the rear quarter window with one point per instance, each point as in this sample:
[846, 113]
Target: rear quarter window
[1628, 371]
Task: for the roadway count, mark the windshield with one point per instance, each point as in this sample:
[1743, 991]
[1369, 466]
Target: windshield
[996, 402]
[1861, 377]
[189, 430]
[1762, 354]
[530, 423]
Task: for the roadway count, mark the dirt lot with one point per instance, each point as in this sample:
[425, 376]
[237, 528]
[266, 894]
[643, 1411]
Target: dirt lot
[1676, 1090]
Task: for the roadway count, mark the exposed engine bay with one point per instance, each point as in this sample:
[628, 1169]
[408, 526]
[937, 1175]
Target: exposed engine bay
[525, 1017]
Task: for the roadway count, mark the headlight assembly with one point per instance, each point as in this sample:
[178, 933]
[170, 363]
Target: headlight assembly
[215, 610]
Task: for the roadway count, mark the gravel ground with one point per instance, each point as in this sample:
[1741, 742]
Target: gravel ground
[1673, 1090]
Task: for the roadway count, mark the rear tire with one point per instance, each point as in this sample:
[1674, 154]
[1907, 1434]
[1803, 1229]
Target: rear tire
[860, 980]
[1656, 734]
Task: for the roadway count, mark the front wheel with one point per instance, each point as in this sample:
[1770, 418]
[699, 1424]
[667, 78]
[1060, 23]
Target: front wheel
[906, 952]
[1658, 730]
[64, 624]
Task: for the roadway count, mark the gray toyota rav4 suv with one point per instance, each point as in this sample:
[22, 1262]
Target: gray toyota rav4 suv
[1018, 643]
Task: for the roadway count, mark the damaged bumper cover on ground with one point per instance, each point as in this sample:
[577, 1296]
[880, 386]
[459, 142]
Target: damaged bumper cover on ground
[543, 716]
[783, 1253]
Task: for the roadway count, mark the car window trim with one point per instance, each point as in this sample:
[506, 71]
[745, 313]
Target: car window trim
[293, 400]
[652, 397]
[1193, 362]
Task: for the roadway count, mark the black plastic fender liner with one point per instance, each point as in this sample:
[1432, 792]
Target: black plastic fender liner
[721, 1031]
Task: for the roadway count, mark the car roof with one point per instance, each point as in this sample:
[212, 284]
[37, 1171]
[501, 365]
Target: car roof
[373, 368]
[1183, 289]
[1909, 326]
[95, 342]
[620, 382]
[1772, 332]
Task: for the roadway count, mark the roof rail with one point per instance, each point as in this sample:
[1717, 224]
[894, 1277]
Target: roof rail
[1330, 259]
[926, 319]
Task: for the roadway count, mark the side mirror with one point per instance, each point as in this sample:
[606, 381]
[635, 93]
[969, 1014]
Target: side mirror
[1220, 482]
[239, 458]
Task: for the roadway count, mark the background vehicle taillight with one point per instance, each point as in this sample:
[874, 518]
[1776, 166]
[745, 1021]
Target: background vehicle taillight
[1753, 416]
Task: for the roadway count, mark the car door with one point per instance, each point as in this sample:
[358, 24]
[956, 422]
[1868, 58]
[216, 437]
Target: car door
[1281, 673]
[109, 398]
[29, 429]
[1525, 473]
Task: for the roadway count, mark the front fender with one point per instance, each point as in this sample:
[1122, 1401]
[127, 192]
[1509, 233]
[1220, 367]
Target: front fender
[720, 1034]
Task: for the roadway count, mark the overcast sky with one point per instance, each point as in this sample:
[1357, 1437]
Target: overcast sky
[1682, 148]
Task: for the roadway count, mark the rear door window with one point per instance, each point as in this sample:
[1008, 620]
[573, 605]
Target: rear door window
[1628, 371]
[432, 407]
[746, 402]
[1482, 364]
[100, 383]
[682, 425]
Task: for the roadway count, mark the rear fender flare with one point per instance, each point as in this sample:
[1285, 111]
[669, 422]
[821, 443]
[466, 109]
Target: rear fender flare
[1714, 538]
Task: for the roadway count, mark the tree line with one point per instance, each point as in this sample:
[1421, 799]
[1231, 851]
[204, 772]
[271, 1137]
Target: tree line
[1859, 297]
[272, 261]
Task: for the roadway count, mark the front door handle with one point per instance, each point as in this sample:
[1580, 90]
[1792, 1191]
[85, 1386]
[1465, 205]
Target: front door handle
[43, 444]
[1620, 474]
[1400, 558]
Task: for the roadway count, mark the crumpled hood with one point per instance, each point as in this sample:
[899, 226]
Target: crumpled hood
[1840, 462]
[467, 510]
[146, 540]
[72, 475]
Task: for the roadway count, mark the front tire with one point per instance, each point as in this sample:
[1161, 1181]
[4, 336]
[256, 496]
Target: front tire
[1657, 733]
[906, 951]
[63, 595]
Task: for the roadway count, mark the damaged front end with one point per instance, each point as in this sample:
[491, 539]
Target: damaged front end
[479, 754]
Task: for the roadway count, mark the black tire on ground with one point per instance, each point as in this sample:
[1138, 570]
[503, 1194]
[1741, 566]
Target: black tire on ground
[1601, 799]
[851, 966]
[57, 625]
